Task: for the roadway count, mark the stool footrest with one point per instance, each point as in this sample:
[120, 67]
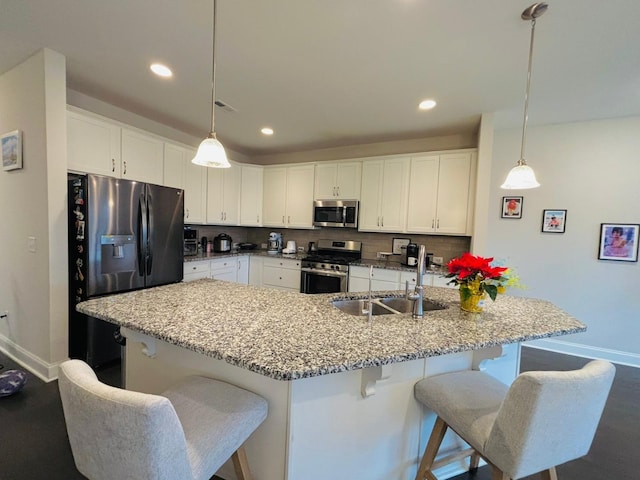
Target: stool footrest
[446, 460]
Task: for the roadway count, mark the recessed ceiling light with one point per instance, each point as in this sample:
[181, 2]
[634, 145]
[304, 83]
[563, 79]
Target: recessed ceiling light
[427, 104]
[267, 131]
[161, 70]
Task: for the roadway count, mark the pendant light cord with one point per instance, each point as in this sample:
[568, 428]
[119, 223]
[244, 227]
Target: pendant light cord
[526, 95]
[213, 71]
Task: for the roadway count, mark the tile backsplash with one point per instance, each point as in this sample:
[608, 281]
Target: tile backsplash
[444, 246]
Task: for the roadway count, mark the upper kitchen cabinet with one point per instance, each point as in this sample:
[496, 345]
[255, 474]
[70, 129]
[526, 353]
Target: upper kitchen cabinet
[383, 199]
[142, 157]
[179, 172]
[441, 193]
[251, 195]
[288, 196]
[223, 195]
[93, 145]
[340, 180]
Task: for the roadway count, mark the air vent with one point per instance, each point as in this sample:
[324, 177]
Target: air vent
[225, 107]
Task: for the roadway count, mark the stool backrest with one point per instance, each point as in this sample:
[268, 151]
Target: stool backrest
[116, 433]
[549, 418]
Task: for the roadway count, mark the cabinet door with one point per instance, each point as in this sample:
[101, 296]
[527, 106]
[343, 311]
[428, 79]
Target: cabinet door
[255, 270]
[231, 195]
[93, 146]
[423, 194]
[243, 270]
[251, 196]
[215, 186]
[348, 179]
[453, 193]
[174, 162]
[142, 157]
[370, 195]
[195, 190]
[274, 197]
[393, 207]
[300, 196]
[325, 181]
[225, 269]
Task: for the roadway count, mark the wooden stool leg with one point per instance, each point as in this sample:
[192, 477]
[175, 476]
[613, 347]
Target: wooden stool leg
[497, 474]
[241, 465]
[549, 474]
[474, 462]
[437, 434]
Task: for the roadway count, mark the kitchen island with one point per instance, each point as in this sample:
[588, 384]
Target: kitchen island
[340, 390]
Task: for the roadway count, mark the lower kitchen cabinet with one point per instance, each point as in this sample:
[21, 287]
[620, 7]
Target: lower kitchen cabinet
[281, 273]
[196, 270]
[225, 269]
[228, 269]
[389, 279]
[243, 270]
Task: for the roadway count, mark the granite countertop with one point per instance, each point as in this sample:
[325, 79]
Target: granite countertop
[289, 335]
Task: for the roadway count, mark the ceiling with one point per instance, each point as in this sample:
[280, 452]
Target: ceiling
[328, 73]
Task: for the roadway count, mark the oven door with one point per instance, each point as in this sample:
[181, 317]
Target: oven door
[318, 281]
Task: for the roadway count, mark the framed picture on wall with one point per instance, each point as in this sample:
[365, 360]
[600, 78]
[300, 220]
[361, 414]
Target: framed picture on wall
[619, 241]
[554, 221]
[511, 207]
[11, 150]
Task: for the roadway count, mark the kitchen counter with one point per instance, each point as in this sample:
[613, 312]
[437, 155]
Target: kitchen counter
[289, 336]
[236, 253]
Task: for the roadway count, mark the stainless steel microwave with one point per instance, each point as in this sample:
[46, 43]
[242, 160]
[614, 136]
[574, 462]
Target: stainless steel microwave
[335, 213]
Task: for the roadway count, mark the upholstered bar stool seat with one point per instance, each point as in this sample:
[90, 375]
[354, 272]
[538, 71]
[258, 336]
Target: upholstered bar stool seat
[543, 420]
[187, 432]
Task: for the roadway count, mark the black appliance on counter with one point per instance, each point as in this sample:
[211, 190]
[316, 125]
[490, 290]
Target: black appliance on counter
[123, 235]
[222, 243]
[411, 255]
[190, 239]
[327, 269]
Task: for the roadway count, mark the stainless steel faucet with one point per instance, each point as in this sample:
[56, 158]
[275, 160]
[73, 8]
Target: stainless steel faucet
[418, 293]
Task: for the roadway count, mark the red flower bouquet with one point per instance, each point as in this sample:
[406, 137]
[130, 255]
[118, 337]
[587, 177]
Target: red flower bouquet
[476, 276]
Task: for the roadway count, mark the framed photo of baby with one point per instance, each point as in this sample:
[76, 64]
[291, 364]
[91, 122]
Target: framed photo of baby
[619, 241]
[511, 207]
[554, 221]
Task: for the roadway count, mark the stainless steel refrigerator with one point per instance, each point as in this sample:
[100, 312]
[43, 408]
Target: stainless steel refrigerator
[123, 235]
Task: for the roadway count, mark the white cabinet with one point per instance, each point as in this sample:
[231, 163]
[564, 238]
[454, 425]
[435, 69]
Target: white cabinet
[255, 270]
[196, 270]
[390, 279]
[288, 196]
[281, 273]
[383, 199]
[225, 269]
[142, 157]
[179, 172]
[223, 195]
[338, 180]
[441, 192]
[243, 270]
[93, 145]
[251, 196]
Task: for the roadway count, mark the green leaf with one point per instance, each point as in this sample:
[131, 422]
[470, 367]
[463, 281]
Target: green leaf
[492, 290]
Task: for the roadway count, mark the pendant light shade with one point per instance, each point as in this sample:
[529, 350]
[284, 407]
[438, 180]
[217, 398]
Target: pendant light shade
[522, 176]
[211, 152]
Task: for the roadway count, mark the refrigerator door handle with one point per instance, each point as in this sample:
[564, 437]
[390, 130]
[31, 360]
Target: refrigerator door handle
[149, 237]
[142, 235]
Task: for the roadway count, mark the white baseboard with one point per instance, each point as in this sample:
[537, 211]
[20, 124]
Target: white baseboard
[45, 371]
[586, 351]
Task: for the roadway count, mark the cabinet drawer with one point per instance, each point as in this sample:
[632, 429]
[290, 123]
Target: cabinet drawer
[190, 277]
[382, 274]
[223, 264]
[282, 263]
[196, 267]
[281, 277]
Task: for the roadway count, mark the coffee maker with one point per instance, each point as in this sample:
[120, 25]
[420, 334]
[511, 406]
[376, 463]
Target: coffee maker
[275, 243]
[411, 255]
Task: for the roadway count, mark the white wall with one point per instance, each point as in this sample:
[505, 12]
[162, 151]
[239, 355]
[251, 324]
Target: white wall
[33, 285]
[592, 169]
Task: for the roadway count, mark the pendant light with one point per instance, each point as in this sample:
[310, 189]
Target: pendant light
[211, 152]
[522, 176]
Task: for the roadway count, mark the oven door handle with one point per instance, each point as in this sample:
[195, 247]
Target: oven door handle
[324, 273]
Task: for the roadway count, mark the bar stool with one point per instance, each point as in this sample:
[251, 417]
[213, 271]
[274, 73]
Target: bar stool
[188, 432]
[543, 420]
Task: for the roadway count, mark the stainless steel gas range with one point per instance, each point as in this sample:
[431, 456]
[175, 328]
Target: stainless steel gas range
[327, 270]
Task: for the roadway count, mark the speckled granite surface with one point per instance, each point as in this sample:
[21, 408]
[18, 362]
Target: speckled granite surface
[288, 335]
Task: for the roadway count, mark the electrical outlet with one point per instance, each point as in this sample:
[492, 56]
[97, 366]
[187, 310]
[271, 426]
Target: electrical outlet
[438, 260]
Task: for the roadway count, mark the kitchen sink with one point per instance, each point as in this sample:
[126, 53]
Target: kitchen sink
[383, 306]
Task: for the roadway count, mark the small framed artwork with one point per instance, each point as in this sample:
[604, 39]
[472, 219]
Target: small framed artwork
[619, 241]
[400, 245]
[554, 221]
[512, 207]
[11, 150]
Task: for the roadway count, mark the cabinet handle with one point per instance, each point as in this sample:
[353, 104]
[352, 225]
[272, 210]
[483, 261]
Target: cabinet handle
[338, 190]
[225, 215]
[113, 164]
[125, 168]
[438, 224]
[187, 213]
[382, 221]
[378, 221]
[283, 219]
[433, 223]
[220, 215]
[289, 219]
[257, 218]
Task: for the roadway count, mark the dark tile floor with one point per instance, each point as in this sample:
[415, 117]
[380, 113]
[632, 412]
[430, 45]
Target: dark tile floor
[34, 444]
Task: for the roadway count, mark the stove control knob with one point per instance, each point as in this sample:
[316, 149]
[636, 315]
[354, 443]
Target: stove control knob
[323, 265]
[337, 267]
